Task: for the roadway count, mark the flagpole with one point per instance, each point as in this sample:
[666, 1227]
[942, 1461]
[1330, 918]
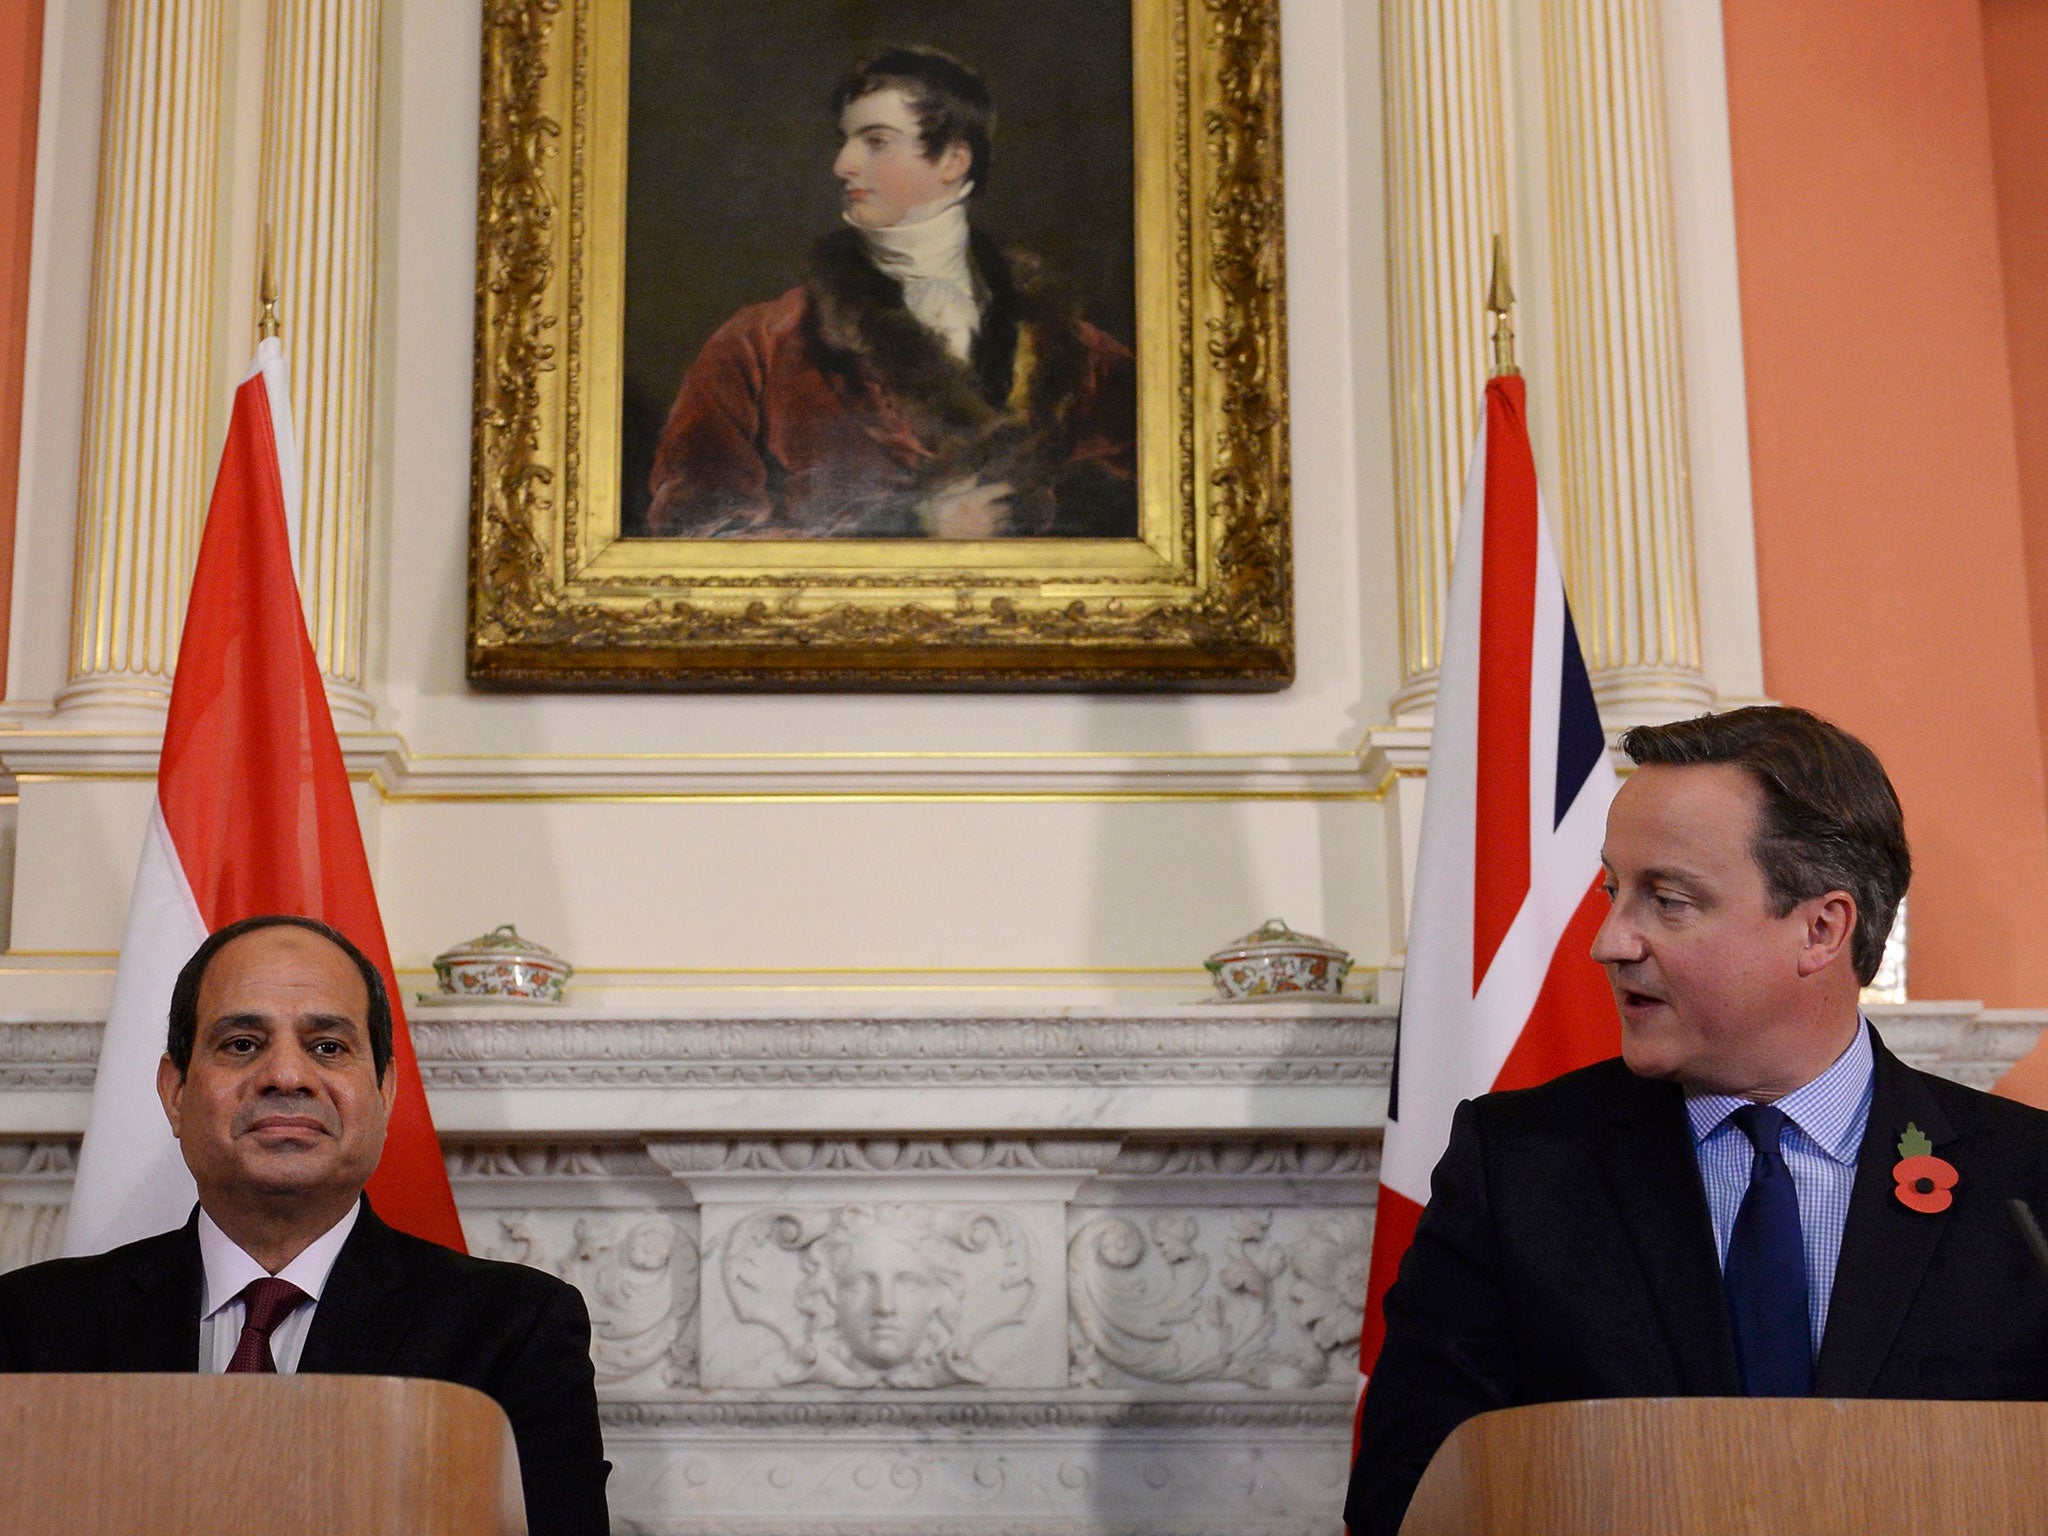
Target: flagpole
[267, 325]
[1500, 303]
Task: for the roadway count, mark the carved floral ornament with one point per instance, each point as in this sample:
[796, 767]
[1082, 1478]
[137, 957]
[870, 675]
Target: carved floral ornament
[1185, 1297]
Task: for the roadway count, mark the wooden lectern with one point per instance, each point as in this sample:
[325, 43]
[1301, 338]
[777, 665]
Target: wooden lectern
[1717, 1466]
[196, 1455]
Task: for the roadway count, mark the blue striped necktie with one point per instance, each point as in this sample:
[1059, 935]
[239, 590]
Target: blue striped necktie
[1765, 1276]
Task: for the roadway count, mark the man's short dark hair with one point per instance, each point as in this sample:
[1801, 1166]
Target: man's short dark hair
[184, 1024]
[1831, 820]
[948, 98]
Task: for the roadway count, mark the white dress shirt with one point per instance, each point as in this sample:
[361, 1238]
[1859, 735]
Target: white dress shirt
[228, 1273]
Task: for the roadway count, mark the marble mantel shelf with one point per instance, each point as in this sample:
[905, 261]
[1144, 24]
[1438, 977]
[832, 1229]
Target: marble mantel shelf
[1206, 1068]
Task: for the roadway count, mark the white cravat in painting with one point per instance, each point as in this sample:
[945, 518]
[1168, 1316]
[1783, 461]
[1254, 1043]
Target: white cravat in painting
[926, 251]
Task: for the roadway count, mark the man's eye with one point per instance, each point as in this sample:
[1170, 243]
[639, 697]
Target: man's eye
[240, 1045]
[329, 1049]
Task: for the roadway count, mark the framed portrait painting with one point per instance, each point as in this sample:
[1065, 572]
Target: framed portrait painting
[880, 343]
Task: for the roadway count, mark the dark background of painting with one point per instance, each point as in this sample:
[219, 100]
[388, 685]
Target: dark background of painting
[729, 159]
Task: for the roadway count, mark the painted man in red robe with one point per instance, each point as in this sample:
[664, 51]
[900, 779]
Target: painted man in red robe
[920, 382]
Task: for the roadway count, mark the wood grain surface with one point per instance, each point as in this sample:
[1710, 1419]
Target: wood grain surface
[1734, 1466]
[194, 1455]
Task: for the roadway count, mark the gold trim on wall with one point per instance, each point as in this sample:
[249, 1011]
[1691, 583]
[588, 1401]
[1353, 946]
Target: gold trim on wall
[1201, 597]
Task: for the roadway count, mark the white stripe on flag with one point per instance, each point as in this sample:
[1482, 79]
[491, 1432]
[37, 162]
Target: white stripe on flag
[131, 1179]
[277, 390]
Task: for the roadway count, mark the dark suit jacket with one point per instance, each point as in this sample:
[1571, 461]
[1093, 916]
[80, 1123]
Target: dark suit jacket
[393, 1306]
[1566, 1252]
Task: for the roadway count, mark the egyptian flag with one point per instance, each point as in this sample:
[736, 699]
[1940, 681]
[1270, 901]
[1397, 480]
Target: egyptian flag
[1500, 989]
[252, 815]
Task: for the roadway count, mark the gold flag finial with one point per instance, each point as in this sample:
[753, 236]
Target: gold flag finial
[1500, 302]
[266, 323]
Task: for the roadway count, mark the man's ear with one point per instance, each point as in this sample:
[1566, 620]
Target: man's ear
[388, 1085]
[955, 161]
[170, 1087]
[1830, 924]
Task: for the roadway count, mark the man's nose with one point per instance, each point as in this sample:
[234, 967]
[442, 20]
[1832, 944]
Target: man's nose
[1617, 942]
[842, 163]
[286, 1065]
[885, 1296]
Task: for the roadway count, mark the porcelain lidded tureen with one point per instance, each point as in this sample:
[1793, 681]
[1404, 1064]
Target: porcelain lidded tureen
[502, 964]
[1275, 961]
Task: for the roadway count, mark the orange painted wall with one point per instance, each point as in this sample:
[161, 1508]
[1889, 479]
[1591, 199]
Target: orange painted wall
[2016, 69]
[1892, 549]
[21, 82]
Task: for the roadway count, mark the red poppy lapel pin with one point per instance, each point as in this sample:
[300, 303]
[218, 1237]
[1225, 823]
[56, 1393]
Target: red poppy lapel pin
[1925, 1181]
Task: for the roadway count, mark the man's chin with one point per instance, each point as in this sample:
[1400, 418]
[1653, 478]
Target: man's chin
[287, 1169]
[1648, 1055]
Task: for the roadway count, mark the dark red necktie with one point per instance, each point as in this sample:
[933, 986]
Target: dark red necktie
[268, 1301]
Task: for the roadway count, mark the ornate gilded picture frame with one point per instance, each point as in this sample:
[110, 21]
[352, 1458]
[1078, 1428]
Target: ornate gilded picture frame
[1155, 554]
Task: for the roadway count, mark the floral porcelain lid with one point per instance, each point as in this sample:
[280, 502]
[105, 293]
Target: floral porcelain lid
[1274, 937]
[502, 943]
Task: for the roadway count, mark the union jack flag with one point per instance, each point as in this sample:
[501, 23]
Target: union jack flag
[1500, 989]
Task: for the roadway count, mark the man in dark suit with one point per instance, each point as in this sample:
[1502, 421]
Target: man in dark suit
[1729, 1208]
[275, 1082]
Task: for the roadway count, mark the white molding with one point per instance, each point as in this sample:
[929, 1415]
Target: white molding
[561, 1073]
[34, 741]
[1207, 1067]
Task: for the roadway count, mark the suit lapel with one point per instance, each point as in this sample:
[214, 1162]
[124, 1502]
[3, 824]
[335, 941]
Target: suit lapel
[1885, 1246]
[153, 1324]
[1650, 1168]
[359, 1325]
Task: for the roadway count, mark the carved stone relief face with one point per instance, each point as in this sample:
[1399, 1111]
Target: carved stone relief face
[889, 1294]
[884, 1299]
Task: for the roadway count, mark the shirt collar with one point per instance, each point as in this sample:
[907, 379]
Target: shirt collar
[229, 1270]
[1829, 1110]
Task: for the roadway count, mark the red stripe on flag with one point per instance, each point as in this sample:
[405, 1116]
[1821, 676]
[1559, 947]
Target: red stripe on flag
[253, 786]
[1573, 1023]
[1393, 1229]
[1507, 631]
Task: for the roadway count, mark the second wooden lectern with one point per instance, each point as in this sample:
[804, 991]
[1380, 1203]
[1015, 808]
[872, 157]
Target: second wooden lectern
[1703, 1466]
[222, 1455]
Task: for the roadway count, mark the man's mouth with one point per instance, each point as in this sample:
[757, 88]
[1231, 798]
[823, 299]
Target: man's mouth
[283, 1126]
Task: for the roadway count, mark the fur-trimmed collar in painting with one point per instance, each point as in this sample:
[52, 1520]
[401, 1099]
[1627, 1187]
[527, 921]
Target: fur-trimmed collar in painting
[860, 325]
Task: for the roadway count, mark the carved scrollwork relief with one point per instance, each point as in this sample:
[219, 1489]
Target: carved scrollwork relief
[638, 1273]
[34, 1199]
[29, 1233]
[882, 1295]
[1181, 1297]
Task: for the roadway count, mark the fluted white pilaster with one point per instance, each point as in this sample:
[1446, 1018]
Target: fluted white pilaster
[144, 475]
[1623, 492]
[319, 201]
[1446, 153]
